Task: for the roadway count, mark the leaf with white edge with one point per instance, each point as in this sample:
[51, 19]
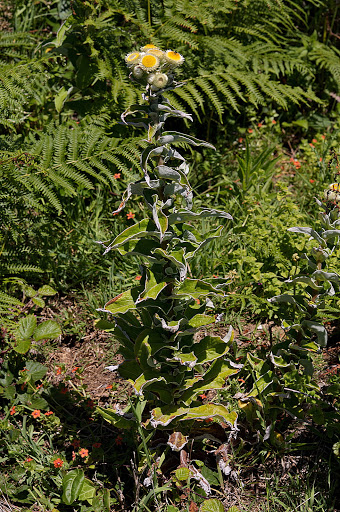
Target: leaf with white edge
[158, 386]
[72, 485]
[117, 420]
[212, 505]
[210, 348]
[150, 151]
[331, 233]
[169, 137]
[143, 228]
[167, 173]
[214, 378]
[184, 359]
[177, 441]
[87, 492]
[46, 290]
[176, 257]
[195, 288]
[164, 416]
[160, 219]
[47, 330]
[185, 215]
[25, 328]
[143, 248]
[104, 325]
[285, 298]
[308, 231]
[278, 361]
[318, 329]
[262, 384]
[130, 370]
[306, 280]
[121, 303]
[320, 275]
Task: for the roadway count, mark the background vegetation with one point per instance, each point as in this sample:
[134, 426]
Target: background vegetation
[261, 78]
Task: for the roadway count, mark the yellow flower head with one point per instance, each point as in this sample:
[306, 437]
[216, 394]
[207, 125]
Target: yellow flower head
[173, 58]
[149, 62]
[333, 192]
[148, 47]
[156, 51]
[132, 58]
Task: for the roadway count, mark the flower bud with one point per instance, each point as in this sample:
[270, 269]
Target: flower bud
[138, 72]
[159, 81]
[319, 254]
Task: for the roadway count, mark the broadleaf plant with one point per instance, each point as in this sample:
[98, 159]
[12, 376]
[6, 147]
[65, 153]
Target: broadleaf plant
[156, 321]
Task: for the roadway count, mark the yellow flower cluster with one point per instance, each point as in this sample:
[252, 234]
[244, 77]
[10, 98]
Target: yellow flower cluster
[333, 192]
[153, 65]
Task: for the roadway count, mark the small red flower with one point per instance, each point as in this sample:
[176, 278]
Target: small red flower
[36, 413]
[203, 396]
[259, 125]
[63, 390]
[250, 130]
[130, 215]
[59, 370]
[73, 455]
[138, 278]
[90, 404]
[110, 386]
[39, 386]
[96, 445]
[12, 411]
[273, 121]
[117, 175]
[119, 440]
[75, 443]
[198, 301]
[48, 413]
[314, 140]
[323, 137]
[311, 145]
[29, 459]
[240, 140]
[57, 463]
[312, 181]
[76, 368]
[83, 453]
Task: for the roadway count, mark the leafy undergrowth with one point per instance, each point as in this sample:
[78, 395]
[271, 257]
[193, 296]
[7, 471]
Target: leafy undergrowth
[57, 453]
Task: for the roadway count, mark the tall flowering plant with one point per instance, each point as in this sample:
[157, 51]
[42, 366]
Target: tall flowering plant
[156, 321]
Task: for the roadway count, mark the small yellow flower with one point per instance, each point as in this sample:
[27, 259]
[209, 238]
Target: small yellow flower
[148, 47]
[132, 58]
[173, 58]
[149, 62]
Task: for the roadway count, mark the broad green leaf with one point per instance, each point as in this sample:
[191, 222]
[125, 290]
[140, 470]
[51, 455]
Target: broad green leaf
[121, 303]
[152, 287]
[116, 419]
[212, 505]
[195, 288]
[87, 492]
[320, 275]
[61, 97]
[143, 228]
[22, 346]
[165, 415]
[166, 172]
[26, 327]
[47, 290]
[214, 378]
[184, 359]
[28, 290]
[72, 484]
[140, 247]
[318, 329]
[182, 474]
[47, 330]
[176, 257]
[261, 384]
[35, 370]
[210, 348]
[37, 403]
[306, 280]
[38, 301]
[288, 299]
[104, 325]
[156, 385]
[130, 370]
[200, 320]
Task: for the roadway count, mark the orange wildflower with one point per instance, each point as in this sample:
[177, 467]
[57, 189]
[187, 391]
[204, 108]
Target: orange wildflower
[138, 278]
[259, 125]
[36, 413]
[12, 411]
[29, 459]
[312, 181]
[83, 453]
[75, 443]
[57, 463]
[119, 440]
[203, 396]
[59, 370]
[311, 145]
[110, 386]
[48, 413]
[117, 175]
[130, 215]
[323, 137]
[96, 445]
[75, 369]
[273, 121]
